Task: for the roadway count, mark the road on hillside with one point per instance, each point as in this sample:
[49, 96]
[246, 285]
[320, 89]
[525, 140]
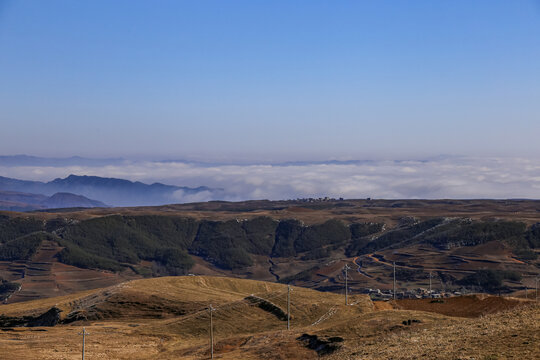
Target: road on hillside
[381, 260]
[359, 269]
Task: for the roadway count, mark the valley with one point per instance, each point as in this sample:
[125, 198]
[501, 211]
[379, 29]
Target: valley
[305, 244]
[269, 180]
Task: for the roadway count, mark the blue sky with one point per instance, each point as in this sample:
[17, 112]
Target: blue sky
[270, 79]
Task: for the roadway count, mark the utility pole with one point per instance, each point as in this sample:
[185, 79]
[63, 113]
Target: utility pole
[211, 334]
[83, 333]
[430, 284]
[288, 307]
[346, 285]
[394, 263]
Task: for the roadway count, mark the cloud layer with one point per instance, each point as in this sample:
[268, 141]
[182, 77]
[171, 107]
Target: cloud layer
[451, 177]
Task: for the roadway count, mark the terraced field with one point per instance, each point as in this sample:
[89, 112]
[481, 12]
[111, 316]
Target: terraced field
[43, 276]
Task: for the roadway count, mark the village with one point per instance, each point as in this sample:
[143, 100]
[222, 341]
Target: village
[417, 293]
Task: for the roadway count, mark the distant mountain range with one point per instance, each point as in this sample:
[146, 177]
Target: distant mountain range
[27, 160]
[19, 201]
[111, 191]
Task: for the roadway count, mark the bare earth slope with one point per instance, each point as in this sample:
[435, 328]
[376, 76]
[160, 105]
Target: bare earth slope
[43, 276]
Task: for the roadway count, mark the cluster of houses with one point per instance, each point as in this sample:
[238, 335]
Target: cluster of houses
[418, 293]
[321, 199]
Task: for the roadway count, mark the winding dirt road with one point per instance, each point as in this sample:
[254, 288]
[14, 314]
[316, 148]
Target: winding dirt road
[381, 260]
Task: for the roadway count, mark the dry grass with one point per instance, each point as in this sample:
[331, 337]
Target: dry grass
[513, 334]
[141, 320]
[463, 306]
[388, 211]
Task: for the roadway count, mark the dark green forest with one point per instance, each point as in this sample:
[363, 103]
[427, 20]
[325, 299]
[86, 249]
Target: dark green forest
[116, 242]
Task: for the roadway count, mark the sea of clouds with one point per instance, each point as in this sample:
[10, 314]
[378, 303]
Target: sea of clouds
[443, 177]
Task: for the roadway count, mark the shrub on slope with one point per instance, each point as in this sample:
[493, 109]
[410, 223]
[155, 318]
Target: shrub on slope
[261, 234]
[111, 240]
[399, 235]
[361, 236]
[287, 233]
[489, 280]
[22, 248]
[471, 233]
[74, 255]
[223, 243]
[533, 236]
[313, 237]
[12, 228]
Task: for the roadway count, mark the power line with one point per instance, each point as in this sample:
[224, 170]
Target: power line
[211, 333]
[83, 333]
[346, 285]
[394, 280]
[233, 304]
[288, 307]
[212, 309]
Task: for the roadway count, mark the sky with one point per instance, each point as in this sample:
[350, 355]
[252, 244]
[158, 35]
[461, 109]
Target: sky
[270, 80]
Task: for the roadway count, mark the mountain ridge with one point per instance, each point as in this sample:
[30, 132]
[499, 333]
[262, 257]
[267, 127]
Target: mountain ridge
[464, 243]
[20, 201]
[113, 191]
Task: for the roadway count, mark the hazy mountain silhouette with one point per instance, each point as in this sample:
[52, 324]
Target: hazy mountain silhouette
[28, 160]
[62, 200]
[112, 191]
[19, 201]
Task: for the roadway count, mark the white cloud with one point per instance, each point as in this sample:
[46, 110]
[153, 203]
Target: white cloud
[440, 178]
[183, 197]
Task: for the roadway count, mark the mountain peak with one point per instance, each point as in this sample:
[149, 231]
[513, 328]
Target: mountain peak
[65, 200]
[113, 191]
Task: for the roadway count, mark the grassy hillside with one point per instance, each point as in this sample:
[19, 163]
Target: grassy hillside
[510, 334]
[227, 244]
[279, 244]
[168, 318]
[232, 244]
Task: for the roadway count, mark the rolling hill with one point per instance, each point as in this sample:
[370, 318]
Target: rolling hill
[489, 246]
[169, 318]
